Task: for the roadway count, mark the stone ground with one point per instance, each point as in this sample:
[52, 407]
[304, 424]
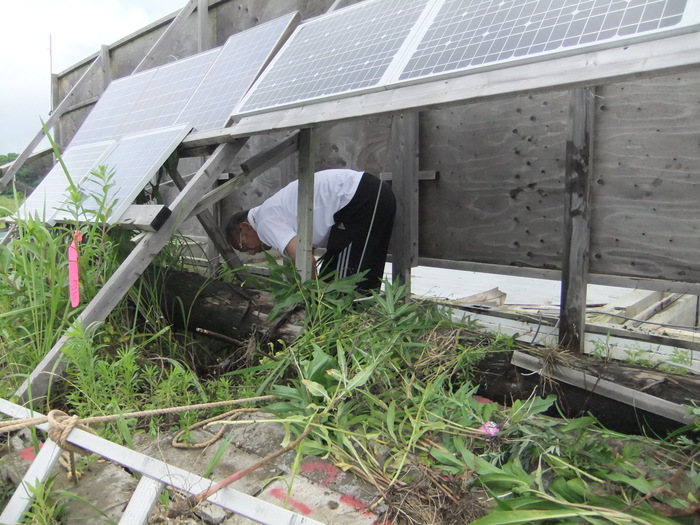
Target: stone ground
[319, 490]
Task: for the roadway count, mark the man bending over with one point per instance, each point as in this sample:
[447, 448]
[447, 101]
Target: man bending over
[353, 215]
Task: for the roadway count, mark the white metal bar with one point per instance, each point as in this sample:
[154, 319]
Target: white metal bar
[142, 501]
[38, 472]
[227, 498]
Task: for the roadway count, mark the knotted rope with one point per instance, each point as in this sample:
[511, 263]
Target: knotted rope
[61, 424]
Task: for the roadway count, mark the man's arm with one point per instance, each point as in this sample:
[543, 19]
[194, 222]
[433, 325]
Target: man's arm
[291, 252]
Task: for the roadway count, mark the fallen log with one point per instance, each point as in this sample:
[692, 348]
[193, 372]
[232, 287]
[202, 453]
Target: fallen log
[503, 381]
[218, 309]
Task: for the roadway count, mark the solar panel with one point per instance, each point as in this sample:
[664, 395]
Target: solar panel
[337, 54]
[468, 34]
[165, 95]
[52, 192]
[239, 63]
[134, 160]
[112, 108]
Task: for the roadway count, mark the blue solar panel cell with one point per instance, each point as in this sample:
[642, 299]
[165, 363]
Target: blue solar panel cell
[239, 63]
[112, 108]
[52, 193]
[466, 34]
[343, 52]
[166, 94]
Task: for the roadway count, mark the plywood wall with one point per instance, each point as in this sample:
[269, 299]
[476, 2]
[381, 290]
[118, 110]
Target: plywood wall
[499, 197]
[646, 189]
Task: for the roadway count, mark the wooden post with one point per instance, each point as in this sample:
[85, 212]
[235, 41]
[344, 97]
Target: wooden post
[55, 102]
[405, 186]
[106, 67]
[210, 224]
[574, 279]
[178, 23]
[307, 160]
[203, 33]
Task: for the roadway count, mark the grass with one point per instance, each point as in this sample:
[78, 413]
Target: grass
[385, 385]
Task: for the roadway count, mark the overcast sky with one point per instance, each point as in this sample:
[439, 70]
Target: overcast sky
[40, 37]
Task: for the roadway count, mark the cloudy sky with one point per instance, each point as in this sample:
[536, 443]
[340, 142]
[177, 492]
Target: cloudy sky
[44, 36]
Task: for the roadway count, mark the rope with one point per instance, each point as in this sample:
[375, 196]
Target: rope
[61, 424]
[231, 415]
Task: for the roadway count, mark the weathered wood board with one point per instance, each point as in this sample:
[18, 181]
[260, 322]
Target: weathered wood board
[646, 185]
[499, 195]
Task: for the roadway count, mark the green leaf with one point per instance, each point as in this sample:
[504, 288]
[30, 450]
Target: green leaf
[641, 484]
[362, 377]
[446, 458]
[525, 517]
[315, 389]
[390, 418]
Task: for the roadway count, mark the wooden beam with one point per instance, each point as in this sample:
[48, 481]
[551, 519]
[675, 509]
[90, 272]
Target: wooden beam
[145, 217]
[252, 169]
[53, 118]
[422, 175]
[266, 159]
[203, 32]
[626, 62]
[250, 507]
[37, 384]
[55, 102]
[404, 131]
[106, 66]
[577, 228]
[142, 501]
[38, 472]
[305, 230]
[176, 25]
[211, 227]
[606, 388]
[36, 155]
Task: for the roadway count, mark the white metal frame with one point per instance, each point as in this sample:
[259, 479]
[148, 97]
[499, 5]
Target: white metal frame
[156, 475]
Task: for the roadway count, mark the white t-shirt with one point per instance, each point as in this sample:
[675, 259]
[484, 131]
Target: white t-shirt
[275, 220]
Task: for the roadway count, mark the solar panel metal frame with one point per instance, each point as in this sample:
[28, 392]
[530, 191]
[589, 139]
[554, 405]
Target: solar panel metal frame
[690, 21]
[229, 81]
[159, 103]
[79, 161]
[126, 91]
[141, 163]
[242, 109]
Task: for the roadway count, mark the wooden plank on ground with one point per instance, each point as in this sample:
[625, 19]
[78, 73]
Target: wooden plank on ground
[609, 389]
[37, 384]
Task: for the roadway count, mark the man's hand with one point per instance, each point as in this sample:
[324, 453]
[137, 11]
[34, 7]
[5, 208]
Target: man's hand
[291, 252]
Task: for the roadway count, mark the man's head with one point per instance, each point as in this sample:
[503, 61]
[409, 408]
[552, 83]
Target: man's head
[241, 235]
